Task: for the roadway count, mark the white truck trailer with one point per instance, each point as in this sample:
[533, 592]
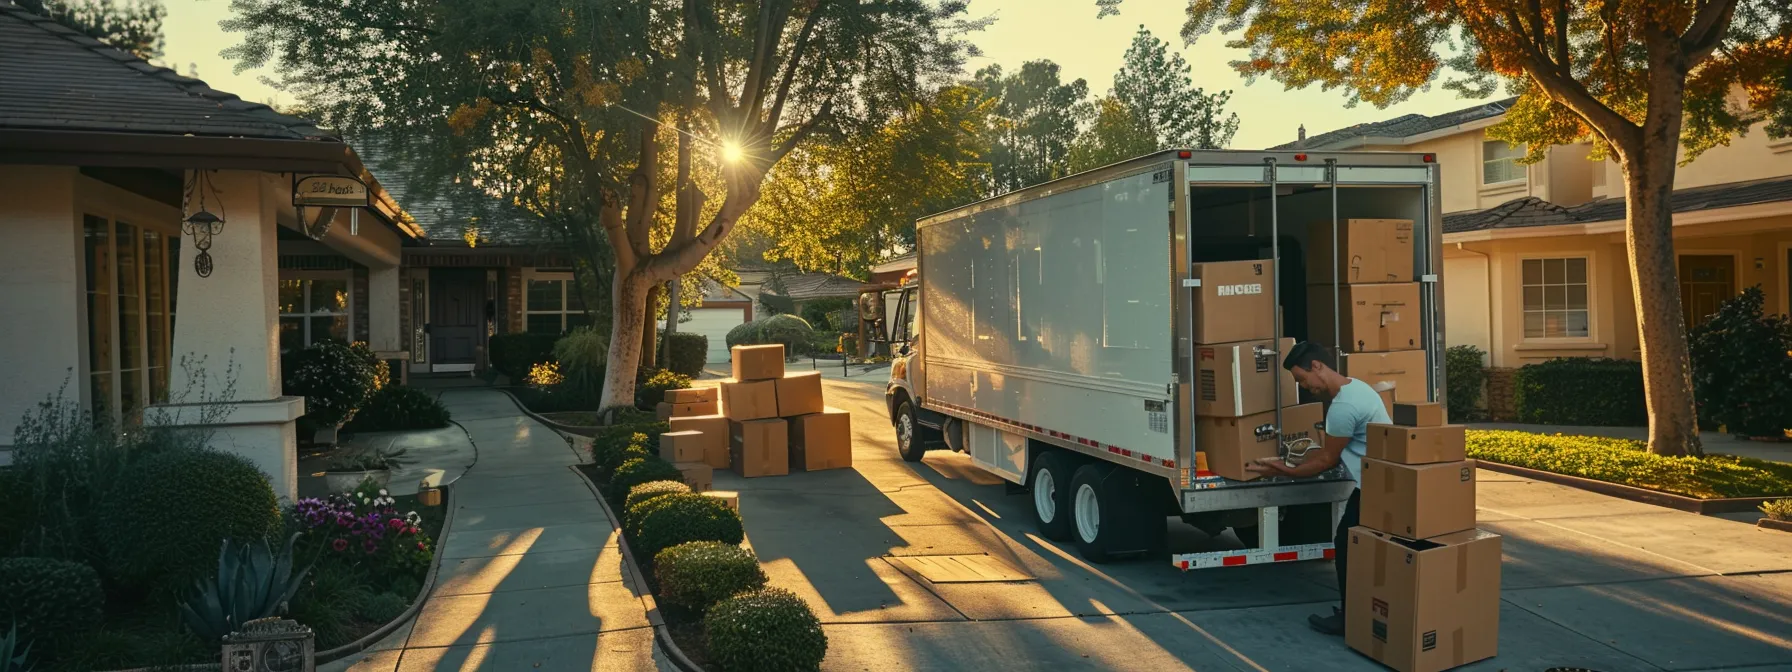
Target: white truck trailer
[1048, 336]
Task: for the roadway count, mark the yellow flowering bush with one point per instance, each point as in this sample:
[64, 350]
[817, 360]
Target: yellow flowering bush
[1629, 462]
[1779, 509]
[544, 375]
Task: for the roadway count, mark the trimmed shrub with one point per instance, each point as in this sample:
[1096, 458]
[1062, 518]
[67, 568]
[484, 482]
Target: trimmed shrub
[652, 489]
[159, 529]
[821, 313]
[1779, 509]
[699, 574]
[1629, 462]
[788, 330]
[1742, 368]
[613, 452]
[1582, 391]
[334, 379]
[396, 407]
[651, 387]
[638, 470]
[49, 599]
[1467, 376]
[582, 355]
[16, 506]
[686, 353]
[663, 522]
[514, 354]
[766, 630]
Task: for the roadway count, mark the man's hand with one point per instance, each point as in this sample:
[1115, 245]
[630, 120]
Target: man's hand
[1268, 466]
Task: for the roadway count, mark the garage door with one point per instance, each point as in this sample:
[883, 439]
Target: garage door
[714, 323]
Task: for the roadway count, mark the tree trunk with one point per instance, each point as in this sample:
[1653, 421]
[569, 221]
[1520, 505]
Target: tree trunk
[1655, 282]
[628, 296]
[649, 331]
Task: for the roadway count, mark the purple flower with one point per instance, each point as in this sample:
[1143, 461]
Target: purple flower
[339, 545]
[369, 545]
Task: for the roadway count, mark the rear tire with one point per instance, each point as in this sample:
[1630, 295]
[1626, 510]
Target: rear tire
[1050, 492]
[911, 441]
[1093, 513]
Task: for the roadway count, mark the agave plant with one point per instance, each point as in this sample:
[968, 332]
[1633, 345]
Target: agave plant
[12, 659]
[253, 582]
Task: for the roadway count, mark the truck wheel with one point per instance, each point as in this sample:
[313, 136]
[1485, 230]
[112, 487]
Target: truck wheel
[1093, 513]
[1050, 486]
[911, 437]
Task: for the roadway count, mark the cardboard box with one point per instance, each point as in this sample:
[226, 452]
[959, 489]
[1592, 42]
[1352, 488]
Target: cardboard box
[1418, 445]
[759, 447]
[728, 497]
[1377, 318]
[698, 475]
[1369, 250]
[1235, 302]
[685, 446]
[1418, 501]
[668, 410]
[1386, 392]
[691, 395]
[821, 441]
[799, 394]
[1231, 443]
[749, 400]
[1238, 379]
[1423, 606]
[757, 362]
[1405, 369]
[714, 429]
[1420, 414]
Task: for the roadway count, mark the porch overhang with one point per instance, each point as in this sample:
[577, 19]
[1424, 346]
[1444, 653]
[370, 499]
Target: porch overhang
[1764, 212]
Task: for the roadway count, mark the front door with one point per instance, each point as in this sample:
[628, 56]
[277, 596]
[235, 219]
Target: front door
[456, 317]
[1706, 281]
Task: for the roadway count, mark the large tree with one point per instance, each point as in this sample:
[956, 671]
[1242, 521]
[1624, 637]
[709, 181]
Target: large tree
[1033, 123]
[132, 25]
[1640, 79]
[1158, 87]
[1117, 134]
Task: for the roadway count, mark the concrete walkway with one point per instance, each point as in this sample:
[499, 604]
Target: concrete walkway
[531, 576]
[1714, 442]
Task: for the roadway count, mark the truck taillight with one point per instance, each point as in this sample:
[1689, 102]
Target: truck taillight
[1300, 157]
[1184, 154]
[1429, 158]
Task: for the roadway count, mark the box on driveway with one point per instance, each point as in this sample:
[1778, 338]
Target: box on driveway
[1418, 501]
[1423, 606]
[821, 441]
[749, 399]
[758, 362]
[799, 394]
[1418, 445]
[714, 429]
[759, 447]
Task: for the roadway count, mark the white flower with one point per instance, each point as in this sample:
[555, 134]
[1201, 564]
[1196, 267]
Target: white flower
[383, 492]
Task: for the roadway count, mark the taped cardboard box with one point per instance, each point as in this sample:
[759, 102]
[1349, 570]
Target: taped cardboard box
[1369, 250]
[685, 446]
[668, 410]
[1418, 501]
[714, 429]
[1238, 379]
[1235, 301]
[1229, 444]
[698, 475]
[1405, 369]
[1423, 606]
[728, 497]
[1376, 318]
[757, 362]
[1417, 445]
[691, 395]
[759, 447]
[799, 394]
[821, 441]
[1420, 414]
[749, 400]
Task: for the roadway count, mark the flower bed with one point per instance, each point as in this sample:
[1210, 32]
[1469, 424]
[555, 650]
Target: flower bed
[1629, 462]
[372, 553]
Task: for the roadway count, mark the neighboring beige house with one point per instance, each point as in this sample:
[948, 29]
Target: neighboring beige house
[1534, 259]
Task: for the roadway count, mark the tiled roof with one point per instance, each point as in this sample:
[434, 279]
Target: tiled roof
[1532, 211]
[447, 211]
[804, 286]
[1403, 126]
[54, 78]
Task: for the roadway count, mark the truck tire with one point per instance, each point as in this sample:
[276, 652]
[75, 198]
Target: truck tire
[911, 437]
[1093, 512]
[1050, 491]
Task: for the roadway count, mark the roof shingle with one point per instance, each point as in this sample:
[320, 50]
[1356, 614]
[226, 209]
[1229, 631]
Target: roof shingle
[1403, 126]
[1532, 211]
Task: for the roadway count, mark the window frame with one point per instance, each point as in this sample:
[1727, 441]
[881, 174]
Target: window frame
[1524, 171]
[347, 276]
[566, 280]
[113, 206]
[1592, 272]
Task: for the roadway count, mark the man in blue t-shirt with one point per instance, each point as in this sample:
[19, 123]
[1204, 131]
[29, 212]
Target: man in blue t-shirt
[1352, 406]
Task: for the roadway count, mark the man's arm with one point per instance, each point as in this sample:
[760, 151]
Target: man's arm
[1316, 462]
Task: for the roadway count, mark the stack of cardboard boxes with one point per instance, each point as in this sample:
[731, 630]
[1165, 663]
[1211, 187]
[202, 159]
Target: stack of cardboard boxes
[769, 421]
[1424, 584]
[1237, 362]
[1379, 299]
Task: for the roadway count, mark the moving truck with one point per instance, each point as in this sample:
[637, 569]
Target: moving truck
[1054, 334]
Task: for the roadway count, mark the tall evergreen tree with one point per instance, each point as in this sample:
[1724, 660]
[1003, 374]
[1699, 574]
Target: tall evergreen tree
[1033, 123]
[1158, 86]
[132, 25]
[1117, 134]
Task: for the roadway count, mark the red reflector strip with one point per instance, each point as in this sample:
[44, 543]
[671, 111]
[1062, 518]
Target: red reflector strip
[1329, 553]
[1287, 556]
[1232, 561]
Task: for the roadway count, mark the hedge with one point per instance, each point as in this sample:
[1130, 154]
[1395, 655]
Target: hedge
[788, 330]
[513, 354]
[1742, 367]
[1629, 462]
[699, 574]
[651, 386]
[686, 353]
[636, 471]
[666, 521]
[771, 630]
[1582, 391]
[1466, 375]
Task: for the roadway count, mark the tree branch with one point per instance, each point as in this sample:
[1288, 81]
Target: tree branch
[765, 48]
[1707, 30]
[1571, 94]
[1564, 58]
[796, 61]
[802, 132]
[644, 193]
[697, 12]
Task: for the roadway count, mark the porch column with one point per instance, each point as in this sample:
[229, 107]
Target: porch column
[40, 267]
[226, 351]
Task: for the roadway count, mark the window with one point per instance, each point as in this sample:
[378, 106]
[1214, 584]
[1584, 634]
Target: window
[1555, 298]
[551, 303]
[313, 307]
[130, 314]
[1499, 162]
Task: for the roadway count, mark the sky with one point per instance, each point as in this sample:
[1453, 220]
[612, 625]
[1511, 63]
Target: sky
[1064, 31]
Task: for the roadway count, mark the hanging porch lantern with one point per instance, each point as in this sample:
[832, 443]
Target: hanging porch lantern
[202, 225]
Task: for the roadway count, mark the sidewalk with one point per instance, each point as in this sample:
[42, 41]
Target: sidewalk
[1714, 441]
[527, 534]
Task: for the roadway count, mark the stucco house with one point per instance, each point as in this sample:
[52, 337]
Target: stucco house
[1534, 258]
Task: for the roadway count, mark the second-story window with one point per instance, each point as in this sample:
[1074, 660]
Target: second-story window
[1499, 162]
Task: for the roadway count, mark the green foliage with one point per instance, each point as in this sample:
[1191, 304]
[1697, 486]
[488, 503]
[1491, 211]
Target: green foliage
[132, 25]
[1032, 122]
[698, 574]
[1582, 391]
[15, 654]
[663, 522]
[650, 388]
[159, 645]
[764, 631]
[1156, 85]
[1117, 134]
[382, 607]
[636, 471]
[398, 407]
[1467, 376]
[334, 379]
[582, 354]
[49, 599]
[1742, 367]
[819, 312]
[650, 490]
[788, 330]
[1778, 509]
[16, 508]
[65, 461]
[252, 581]
[1629, 463]
[686, 353]
[158, 531]
[611, 457]
[513, 354]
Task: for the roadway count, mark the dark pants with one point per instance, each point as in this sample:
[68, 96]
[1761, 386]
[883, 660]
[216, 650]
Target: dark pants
[1341, 541]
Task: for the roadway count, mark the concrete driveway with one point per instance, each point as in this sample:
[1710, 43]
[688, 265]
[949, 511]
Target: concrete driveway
[1589, 581]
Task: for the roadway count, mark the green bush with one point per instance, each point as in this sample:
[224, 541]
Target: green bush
[650, 388]
[769, 630]
[334, 379]
[1630, 463]
[699, 574]
[15, 511]
[820, 313]
[1778, 509]
[49, 599]
[397, 407]
[686, 353]
[611, 453]
[650, 490]
[1582, 391]
[663, 522]
[1467, 376]
[638, 470]
[513, 354]
[788, 330]
[1742, 368]
[160, 530]
[582, 355]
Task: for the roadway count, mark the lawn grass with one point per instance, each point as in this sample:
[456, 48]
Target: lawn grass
[1628, 462]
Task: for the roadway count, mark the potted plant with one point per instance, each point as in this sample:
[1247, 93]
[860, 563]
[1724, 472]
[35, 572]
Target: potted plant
[345, 472]
[335, 379]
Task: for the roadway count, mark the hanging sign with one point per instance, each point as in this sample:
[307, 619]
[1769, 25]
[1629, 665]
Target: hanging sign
[329, 191]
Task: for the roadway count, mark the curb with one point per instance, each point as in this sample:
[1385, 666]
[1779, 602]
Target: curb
[1771, 524]
[410, 613]
[662, 635]
[581, 430]
[1703, 507]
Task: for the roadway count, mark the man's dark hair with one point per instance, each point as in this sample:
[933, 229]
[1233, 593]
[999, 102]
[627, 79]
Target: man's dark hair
[1304, 353]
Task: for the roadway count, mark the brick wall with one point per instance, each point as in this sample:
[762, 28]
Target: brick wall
[513, 300]
[1502, 394]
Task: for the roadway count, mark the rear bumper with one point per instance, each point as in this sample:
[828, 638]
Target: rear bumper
[1256, 495]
